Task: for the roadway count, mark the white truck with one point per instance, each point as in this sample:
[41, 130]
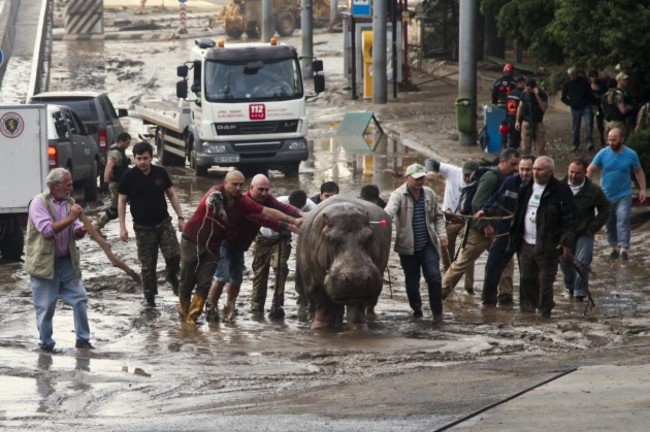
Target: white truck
[24, 167]
[247, 110]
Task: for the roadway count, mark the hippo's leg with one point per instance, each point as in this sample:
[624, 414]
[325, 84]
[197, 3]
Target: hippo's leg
[356, 315]
[325, 312]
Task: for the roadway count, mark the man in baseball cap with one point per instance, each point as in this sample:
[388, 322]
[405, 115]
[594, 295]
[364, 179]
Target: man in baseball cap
[420, 233]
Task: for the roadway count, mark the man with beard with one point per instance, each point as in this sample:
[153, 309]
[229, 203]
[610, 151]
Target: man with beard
[542, 230]
[52, 259]
[592, 210]
[617, 162]
[223, 213]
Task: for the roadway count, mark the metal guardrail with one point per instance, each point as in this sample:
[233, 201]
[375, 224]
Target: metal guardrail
[40, 74]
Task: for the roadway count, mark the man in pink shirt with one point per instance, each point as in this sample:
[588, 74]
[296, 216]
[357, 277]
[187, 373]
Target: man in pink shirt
[52, 258]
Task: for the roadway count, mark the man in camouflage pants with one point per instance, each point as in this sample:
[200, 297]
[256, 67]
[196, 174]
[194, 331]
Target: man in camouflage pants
[116, 166]
[144, 187]
[272, 249]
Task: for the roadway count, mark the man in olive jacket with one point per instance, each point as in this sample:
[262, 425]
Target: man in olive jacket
[543, 228]
[592, 211]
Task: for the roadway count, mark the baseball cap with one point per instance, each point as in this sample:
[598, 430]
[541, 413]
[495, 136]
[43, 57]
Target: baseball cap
[416, 171]
[470, 166]
[621, 76]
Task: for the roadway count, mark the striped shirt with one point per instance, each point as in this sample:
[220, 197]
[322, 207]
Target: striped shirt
[420, 234]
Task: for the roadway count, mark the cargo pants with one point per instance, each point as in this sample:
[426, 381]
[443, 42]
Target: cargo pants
[269, 252]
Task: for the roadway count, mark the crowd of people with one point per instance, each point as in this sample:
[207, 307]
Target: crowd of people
[518, 208]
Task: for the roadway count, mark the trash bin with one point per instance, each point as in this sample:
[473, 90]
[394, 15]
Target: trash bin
[466, 115]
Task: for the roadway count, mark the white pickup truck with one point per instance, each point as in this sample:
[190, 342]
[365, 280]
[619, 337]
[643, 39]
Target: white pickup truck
[24, 166]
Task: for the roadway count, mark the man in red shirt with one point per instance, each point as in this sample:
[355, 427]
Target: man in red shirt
[223, 213]
[231, 265]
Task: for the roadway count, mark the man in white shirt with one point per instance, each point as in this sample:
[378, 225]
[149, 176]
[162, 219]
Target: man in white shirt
[272, 249]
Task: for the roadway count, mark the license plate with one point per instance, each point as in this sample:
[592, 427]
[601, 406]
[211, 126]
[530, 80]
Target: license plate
[226, 159]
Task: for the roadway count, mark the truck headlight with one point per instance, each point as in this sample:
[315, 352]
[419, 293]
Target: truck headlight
[214, 148]
[297, 145]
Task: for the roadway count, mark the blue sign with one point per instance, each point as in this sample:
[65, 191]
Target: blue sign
[2, 57]
[361, 8]
[182, 1]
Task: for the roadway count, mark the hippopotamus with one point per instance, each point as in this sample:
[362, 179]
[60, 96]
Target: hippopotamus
[341, 255]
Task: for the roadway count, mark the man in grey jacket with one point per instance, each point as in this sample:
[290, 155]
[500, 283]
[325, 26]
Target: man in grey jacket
[420, 232]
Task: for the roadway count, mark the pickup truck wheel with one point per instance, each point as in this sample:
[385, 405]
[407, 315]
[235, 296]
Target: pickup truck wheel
[291, 170]
[12, 240]
[285, 24]
[90, 187]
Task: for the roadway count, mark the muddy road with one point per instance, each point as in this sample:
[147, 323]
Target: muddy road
[151, 373]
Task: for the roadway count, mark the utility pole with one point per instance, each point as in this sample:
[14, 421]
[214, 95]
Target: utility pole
[307, 20]
[467, 67]
[268, 27]
[379, 28]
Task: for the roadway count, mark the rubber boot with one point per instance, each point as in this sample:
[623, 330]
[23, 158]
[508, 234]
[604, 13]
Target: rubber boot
[196, 307]
[183, 308]
[230, 311]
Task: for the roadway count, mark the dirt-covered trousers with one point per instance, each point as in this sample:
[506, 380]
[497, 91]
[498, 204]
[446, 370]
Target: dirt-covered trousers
[198, 265]
[269, 253]
[148, 240]
[111, 211]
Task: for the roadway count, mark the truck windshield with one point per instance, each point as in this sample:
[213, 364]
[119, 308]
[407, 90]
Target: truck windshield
[253, 81]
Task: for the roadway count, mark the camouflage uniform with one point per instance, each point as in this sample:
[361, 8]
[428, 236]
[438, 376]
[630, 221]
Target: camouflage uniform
[266, 254]
[148, 240]
[121, 164]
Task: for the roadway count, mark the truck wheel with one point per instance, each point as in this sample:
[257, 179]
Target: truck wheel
[285, 24]
[291, 170]
[165, 157]
[233, 30]
[12, 240]
[199, 171]
[252, 30]
[90, 187]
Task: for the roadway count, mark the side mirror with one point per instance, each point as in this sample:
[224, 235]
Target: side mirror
[317, 65]
[319, 83]
[181, 89]
[182, 71]
[122, 112]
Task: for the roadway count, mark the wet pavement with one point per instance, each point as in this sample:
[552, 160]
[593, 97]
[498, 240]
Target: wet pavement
[151, 372]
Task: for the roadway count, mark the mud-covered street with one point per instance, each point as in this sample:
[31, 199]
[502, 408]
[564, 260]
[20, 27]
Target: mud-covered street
[150, 372]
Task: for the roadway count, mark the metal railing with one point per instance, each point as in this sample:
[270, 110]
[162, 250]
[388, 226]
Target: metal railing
[40, 74]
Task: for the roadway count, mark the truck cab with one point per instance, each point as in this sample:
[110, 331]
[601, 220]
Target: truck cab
[247, 106]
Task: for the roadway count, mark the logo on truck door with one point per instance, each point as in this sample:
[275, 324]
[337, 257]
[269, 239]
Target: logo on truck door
[12, 125]
[257, 112]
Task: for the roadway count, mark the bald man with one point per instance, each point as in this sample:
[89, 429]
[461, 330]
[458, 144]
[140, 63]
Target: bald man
[224, 215]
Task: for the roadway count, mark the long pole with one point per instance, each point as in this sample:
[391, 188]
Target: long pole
[467, 63]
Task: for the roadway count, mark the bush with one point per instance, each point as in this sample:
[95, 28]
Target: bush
[640, 143]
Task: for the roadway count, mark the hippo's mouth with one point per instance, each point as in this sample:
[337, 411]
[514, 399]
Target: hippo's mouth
[356, 299]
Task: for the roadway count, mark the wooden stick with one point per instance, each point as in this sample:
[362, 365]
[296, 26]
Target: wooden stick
[106, 247]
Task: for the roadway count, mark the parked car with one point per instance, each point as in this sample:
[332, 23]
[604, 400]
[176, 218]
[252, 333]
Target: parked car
[71, 146]
[97, 113]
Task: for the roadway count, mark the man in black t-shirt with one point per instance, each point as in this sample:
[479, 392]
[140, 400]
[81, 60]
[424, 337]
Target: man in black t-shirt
[144, 187]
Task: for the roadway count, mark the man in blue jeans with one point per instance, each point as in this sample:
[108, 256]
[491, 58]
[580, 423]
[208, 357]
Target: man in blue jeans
[52, 258]
[420, 232]
[577, 94]
[617, 162]
[592, 211]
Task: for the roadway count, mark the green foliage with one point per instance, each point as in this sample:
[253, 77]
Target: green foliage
[640, 143]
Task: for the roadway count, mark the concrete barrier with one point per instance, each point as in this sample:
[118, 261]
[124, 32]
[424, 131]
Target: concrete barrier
[8, 13]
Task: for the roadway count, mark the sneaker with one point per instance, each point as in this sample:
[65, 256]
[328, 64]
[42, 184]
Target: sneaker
[580, 298]
[506, 300]
[624, 256]
[437, 319]
[614, 255]
[469, 290]
[50, 350]
[151, 300]
[84, 344]
[417, 313]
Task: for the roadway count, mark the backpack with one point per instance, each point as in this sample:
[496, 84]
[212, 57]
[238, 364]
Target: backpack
[468, 192]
